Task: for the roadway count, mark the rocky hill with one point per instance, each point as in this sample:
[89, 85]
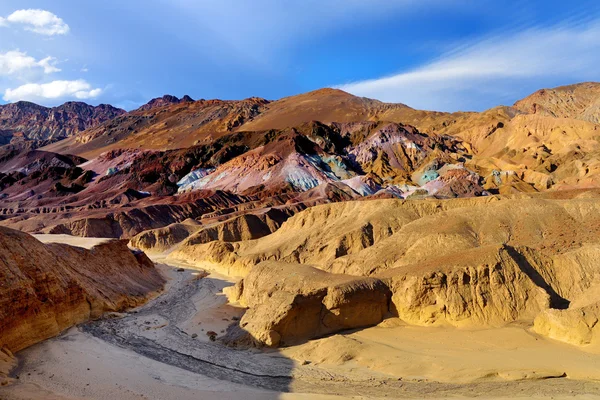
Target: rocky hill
[28, 121]
[580, 101]
[26, 126]
[170, 125]
[176, 123]
[238, 172]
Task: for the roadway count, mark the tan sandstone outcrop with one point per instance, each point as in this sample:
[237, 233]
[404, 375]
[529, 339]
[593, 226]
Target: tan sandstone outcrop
[480, 287]
[291, 303]
[466, 263]
[578, 326]
[46, 288]
[7, 362]
[161, 239]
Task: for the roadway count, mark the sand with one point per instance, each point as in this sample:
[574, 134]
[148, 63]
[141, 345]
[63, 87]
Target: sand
[77, 365]
[450, 355]
[85, 242]
[153, 353]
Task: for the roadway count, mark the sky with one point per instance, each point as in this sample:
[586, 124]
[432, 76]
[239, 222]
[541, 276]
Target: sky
[445, 55]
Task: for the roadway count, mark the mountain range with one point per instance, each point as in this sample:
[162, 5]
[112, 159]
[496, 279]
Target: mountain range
[231, 156]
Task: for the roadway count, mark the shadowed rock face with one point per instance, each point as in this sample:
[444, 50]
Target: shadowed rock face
[46, 288]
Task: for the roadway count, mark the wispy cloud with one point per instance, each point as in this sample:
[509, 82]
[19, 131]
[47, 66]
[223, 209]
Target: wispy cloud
[38, 21]
[261, 30]
[497, 65]
[55, 90]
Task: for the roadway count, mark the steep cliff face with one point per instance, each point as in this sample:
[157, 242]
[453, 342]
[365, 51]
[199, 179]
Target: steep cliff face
[45, 289]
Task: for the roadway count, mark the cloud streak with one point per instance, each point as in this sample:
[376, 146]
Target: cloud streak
[55, 90]
[458, 79]
[261, 30]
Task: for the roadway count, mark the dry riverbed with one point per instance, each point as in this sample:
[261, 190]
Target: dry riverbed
[165, 350]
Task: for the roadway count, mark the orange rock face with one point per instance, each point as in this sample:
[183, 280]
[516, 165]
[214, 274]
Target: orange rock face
[46, 288]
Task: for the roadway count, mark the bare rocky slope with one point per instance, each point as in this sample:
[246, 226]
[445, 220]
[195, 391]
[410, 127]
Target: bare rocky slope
[164, 125]
[123, 192]
[228, 158]
[46, 288]
[546, 140]
[26, 120]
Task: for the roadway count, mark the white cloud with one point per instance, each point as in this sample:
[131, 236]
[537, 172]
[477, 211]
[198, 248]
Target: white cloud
[25, 77]
[55, 90]
[38, 21]
[15, 62]
[49, 65]
[495, 65]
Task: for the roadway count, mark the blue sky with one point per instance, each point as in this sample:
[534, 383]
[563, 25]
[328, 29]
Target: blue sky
[444, 55]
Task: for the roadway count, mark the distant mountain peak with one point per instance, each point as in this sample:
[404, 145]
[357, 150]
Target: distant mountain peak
[165, 100]
[187, 99]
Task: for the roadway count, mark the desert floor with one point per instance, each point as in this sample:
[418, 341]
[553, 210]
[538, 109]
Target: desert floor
[163, 350]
